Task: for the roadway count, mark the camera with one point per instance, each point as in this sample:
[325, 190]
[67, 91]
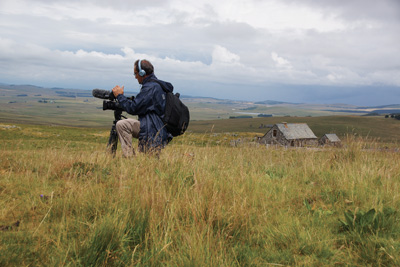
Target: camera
[110, 105]
[110, 102]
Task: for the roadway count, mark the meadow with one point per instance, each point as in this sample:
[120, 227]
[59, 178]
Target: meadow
[65, 202]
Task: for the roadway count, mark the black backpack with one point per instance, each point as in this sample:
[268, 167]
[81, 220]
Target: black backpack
[176, 115]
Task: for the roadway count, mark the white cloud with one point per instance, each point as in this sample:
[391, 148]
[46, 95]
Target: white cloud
[221, 55]
[281, 62]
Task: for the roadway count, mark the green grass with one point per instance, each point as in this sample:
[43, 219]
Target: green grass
[202, 203]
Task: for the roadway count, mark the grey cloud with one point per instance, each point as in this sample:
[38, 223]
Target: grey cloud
[387, 10]
[204, 54]
[122, 5]
[230, 32]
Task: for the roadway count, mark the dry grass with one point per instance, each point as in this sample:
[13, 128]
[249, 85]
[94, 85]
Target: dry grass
[202, 203]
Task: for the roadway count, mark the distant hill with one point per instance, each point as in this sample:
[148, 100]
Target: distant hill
[385, 106]
[270, 102]
[32, 102]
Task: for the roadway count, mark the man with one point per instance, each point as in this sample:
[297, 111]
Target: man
[149, 105]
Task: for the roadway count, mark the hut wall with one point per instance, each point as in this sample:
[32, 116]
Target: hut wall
[270, 139]
[323, 141]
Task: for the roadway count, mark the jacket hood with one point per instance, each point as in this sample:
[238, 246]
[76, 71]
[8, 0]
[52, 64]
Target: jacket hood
[164, 85]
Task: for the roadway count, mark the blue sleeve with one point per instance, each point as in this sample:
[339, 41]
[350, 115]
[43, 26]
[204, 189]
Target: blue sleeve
[150, 99]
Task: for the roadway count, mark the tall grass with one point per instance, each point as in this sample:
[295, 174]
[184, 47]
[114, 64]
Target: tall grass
[202, 203]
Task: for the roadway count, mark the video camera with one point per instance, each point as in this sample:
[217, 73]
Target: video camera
[110, 102]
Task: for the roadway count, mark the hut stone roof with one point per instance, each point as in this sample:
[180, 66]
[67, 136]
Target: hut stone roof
[296, 131]
[332, 137]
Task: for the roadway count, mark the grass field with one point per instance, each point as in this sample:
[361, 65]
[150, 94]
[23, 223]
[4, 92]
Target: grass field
[65, 202]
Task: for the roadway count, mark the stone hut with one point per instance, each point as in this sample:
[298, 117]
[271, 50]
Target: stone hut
[290, 134]
[330, 140]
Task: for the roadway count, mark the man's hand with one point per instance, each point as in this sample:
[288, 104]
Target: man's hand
[118, 90]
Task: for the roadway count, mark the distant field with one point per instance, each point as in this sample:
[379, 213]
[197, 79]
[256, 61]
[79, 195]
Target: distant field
[67, 107]
[27, 103]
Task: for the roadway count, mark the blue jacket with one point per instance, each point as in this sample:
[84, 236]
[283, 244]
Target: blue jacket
[149, 105]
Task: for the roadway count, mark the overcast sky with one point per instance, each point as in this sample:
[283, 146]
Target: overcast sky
[332, 51]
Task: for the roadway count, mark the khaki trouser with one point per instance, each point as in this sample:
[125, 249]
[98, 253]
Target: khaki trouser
[127, 129]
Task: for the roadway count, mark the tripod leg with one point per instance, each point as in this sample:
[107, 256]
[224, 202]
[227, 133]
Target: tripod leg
[112, 141]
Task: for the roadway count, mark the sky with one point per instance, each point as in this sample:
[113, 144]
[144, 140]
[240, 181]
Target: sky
[309, 51]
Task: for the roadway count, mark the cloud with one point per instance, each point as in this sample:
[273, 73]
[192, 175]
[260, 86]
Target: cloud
[206, 47]
[356, 10]
[221, 55]
[281, 62]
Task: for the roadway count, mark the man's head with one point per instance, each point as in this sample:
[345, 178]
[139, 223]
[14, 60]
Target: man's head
[142, 69]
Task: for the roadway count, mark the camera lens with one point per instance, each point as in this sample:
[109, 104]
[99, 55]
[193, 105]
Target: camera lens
[110, 105]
